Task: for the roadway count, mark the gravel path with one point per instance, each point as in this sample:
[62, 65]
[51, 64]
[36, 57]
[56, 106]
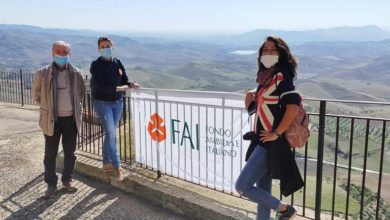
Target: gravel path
[22, 185]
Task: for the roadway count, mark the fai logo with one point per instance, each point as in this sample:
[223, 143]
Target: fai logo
[156, 128]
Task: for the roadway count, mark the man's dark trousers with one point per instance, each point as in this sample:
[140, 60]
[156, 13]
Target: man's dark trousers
[65, 127]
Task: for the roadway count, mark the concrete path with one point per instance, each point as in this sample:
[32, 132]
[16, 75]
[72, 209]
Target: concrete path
[22, 185]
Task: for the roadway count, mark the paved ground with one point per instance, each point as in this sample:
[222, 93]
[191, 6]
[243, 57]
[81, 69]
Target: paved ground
[21, 180]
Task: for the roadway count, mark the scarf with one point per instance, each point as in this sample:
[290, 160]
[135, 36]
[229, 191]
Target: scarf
[264, 77]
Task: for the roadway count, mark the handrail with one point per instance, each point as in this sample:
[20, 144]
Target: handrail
[354, 131]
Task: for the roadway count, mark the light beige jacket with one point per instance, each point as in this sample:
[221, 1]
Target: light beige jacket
[42, 93]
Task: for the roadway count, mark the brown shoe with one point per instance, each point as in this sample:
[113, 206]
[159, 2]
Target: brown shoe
[107, 167]
[50, 192]
[68, 186]
[118, 173]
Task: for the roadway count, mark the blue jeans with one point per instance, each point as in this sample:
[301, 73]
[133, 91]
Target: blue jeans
[109, 114]
[255, 171]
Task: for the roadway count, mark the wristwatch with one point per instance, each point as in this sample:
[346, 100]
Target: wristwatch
[277, 133]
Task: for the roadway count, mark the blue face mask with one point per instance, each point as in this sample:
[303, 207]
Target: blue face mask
[106, 52]
[61, 60]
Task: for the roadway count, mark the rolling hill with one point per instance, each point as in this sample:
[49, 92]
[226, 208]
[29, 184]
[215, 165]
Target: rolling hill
[330, 65]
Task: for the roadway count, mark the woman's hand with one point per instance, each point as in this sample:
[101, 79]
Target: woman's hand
[266, 136]
[249, 98]
[288, 117]
[134, 85]
[122, 88]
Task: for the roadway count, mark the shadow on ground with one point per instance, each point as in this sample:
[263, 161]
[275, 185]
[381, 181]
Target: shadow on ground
[86, 203]
[27, 202]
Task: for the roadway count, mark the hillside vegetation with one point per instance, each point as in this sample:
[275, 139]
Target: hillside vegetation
[330, 65]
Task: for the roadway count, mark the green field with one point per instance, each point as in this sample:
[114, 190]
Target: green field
[374, 143]
[326, 199]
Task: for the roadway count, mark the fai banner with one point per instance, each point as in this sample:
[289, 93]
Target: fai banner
[192, 135]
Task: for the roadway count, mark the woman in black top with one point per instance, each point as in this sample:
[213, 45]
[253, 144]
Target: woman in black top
[108, 83]
[276, 105]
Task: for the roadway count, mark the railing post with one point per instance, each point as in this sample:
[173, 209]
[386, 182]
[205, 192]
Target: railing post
[90, 115]
[21, 86]
[320, 157]
[157, 142]
[124, 115]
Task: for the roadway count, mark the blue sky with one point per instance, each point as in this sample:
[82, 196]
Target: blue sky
[195, 15]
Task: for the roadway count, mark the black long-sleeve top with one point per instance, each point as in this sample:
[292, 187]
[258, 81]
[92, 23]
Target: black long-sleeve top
[106, 76]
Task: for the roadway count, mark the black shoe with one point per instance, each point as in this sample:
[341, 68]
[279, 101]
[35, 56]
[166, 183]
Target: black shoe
[288, 214]
[50, 192]
[68, 186]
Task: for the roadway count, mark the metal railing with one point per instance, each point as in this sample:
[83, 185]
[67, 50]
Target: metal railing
[342, 164]
[354, 162]
[15, 87]
[90, 139]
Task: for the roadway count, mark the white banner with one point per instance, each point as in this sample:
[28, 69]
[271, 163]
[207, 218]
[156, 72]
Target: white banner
[195, 136]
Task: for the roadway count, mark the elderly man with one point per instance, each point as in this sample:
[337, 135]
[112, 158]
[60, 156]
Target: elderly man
[59, 88]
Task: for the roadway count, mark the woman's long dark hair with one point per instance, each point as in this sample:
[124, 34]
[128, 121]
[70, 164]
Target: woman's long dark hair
[286, 60]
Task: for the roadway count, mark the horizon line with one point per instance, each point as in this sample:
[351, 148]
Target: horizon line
[198, 31]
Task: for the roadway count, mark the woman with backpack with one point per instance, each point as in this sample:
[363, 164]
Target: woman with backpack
[269, 156]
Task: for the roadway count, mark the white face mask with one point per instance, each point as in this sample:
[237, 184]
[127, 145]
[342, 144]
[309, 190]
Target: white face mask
[269, 60]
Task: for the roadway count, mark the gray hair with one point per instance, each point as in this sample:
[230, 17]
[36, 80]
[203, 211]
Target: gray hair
[61, 43]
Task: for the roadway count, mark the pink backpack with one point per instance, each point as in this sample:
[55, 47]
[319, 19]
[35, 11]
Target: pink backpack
[298, 132]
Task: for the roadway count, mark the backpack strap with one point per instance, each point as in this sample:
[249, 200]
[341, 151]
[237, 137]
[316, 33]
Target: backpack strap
[286, 93]
[289, 92]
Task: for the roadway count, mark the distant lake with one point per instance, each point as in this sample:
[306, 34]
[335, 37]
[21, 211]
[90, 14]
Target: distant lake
[243, 52]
